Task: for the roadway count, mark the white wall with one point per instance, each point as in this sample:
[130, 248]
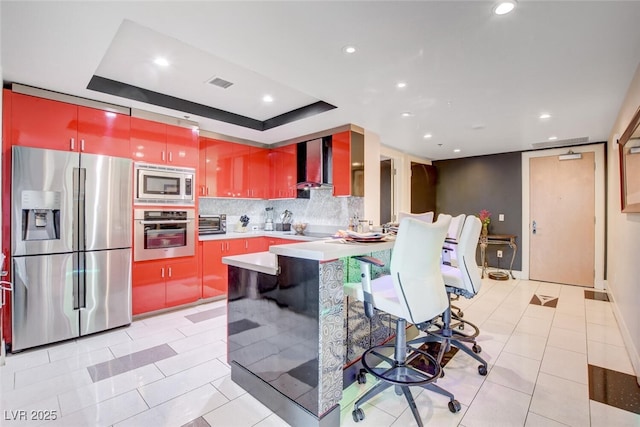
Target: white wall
[623, 247]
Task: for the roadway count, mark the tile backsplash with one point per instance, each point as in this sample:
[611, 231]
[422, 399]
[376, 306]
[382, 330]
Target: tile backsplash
[321, 209]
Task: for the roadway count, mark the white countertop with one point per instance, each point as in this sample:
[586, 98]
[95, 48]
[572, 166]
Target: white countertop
[328, 249]
[264, 262]
[320, 250]
[258, 233]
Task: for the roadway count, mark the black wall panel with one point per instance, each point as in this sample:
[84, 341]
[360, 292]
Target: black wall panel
[468, 185]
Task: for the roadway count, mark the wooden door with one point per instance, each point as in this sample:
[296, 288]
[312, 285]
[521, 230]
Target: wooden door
[562, 215]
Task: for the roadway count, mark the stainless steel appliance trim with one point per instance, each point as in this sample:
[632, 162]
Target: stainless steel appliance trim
[142, 254]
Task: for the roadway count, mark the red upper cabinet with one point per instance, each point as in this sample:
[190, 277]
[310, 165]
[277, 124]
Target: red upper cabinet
[283, 172]
[103, 132]
[182, 146]
[44, 123]
[258, 172]
[341, 154]
[220, 154]
[159, 143]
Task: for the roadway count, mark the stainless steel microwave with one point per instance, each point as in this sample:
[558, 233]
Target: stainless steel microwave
[156, 184]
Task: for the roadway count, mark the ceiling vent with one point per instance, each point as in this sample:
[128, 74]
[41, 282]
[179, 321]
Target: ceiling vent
[561, 142]
[217, 81]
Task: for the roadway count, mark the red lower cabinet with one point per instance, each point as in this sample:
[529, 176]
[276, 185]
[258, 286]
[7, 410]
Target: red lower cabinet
[148, 290]
[162, 284]
[182, 284]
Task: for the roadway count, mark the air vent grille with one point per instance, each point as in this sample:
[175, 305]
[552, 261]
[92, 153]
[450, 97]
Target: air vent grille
[217, 81]
[561, 142]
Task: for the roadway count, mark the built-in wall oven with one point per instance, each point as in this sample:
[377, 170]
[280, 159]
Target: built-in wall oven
[163, 233]
[156, 184]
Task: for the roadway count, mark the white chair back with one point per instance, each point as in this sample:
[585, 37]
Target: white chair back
[415, 268]
[470, 273]
[450, 248]
[425, 217]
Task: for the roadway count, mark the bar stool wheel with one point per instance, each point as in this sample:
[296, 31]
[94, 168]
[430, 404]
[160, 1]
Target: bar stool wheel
[482, 370]
[358, 415]
[362, 376]
[454, 406]
[476, 348]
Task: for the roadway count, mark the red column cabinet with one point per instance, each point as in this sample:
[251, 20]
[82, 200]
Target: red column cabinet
[44, 123]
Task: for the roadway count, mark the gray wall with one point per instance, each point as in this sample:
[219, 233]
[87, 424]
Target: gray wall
[468, 185]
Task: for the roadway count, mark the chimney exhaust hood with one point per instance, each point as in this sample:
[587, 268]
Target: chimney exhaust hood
[313, 165]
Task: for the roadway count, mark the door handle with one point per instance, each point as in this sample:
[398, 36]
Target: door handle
[162, 272]
[169, 271]
[82, 145]
[534, 227]
[73, 144]
[170, 156]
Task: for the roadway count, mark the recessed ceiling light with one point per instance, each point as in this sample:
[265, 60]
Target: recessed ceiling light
[349, 49]
[267, 98]
[160, 61]
[545, 115]
[553, 138]
[427, 136]
[401, 85]
[503, 7]
[457, 150]
[407, 114]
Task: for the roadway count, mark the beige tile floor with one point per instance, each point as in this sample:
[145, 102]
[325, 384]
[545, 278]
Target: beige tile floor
[537, 360]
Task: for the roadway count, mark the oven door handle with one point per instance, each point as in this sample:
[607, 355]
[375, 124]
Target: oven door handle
[167, 221]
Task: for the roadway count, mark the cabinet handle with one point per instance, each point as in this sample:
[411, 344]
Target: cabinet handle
[170, 156]
[73, 144]
[246, 244]
[163, 159]
[169, 271]
[207, 191]
[222, 247]
[82, 145]
[227, 246]
[162, 274]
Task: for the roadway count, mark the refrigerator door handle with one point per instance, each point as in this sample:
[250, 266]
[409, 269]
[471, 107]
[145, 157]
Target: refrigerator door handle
[80, 226]
[76, 282]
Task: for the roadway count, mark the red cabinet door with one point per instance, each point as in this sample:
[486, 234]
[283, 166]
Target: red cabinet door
[341, 154]
[182, 146]
[148, 286]
[103, 132]
[148, 141]
[255, 244]
[203, 161]
[221, 165]
[182, 285]
[289, 171]
[214, 273]
[258, 172]
[43, 123]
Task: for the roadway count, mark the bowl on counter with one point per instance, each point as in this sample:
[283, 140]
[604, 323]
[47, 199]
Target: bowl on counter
[299, 227]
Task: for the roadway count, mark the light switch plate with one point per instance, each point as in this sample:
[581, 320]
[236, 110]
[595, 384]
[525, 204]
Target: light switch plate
[500, 217]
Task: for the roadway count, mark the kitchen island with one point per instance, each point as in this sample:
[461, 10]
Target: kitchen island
[290, 331]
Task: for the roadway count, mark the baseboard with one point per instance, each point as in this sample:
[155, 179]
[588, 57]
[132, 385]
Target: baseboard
[632, 351]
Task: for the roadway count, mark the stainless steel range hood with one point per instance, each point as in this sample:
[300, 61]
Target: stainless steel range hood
[314, 164]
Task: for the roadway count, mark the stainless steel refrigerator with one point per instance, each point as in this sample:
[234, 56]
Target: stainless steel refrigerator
[70, 245]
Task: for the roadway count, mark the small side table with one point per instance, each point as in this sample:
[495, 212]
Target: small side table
[498, 239]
